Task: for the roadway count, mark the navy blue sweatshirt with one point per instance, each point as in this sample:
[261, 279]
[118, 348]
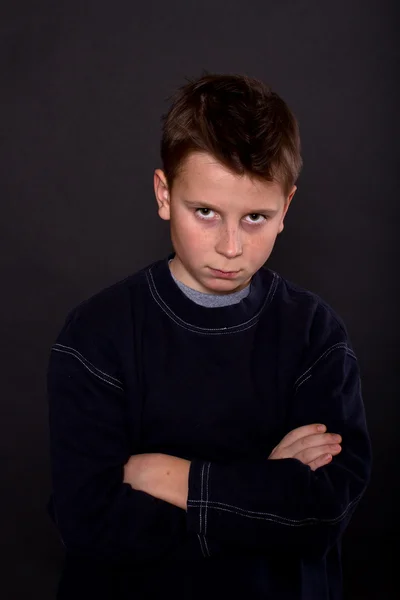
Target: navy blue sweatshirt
[142, 368]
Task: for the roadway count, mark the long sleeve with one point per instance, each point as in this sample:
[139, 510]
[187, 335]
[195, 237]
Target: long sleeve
[98, 515]
[269, 504]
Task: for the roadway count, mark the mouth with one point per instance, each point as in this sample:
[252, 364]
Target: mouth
[228, 274]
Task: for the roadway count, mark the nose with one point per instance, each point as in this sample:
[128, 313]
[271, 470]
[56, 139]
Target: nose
[229, 243]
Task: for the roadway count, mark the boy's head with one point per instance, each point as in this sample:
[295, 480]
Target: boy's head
[231, 156]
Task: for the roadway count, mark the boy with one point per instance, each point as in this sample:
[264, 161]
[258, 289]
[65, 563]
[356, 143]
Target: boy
[208, 435]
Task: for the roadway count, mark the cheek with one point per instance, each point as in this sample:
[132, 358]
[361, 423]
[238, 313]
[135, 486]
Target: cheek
[259, 247]
[263, 238]
[191, 233]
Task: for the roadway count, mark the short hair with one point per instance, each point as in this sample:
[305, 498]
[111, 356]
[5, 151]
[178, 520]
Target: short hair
[238, 120]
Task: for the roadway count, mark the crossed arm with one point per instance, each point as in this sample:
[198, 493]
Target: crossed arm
[105, 501]
[167, 477]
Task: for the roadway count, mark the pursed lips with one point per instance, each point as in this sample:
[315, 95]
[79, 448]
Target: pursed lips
[222, 271]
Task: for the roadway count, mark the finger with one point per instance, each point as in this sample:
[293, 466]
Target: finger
[311, 454]
[301, 432]
[313, 441]
[307, 454]
[321, 461]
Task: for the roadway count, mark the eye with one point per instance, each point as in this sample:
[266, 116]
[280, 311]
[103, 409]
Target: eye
[204, 213]
[257, 216]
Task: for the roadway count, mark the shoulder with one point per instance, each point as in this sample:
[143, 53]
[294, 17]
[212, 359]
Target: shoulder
[106, 305]
[303, 309]
[113, 304]
[101, 326]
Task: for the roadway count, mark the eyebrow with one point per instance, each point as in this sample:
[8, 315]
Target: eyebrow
[193, 204]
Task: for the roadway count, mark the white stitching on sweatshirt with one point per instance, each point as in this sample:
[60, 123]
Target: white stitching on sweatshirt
[92, 369]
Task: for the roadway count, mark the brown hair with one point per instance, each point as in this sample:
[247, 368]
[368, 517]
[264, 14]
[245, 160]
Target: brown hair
[237, 119]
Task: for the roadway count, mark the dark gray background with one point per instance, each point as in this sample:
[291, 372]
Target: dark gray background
[83, 86]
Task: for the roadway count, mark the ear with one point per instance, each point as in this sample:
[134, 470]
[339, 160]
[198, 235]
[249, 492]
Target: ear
[286, 207]
[162, 194]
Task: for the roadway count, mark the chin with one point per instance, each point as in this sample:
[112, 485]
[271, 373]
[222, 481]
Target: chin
[224, 286]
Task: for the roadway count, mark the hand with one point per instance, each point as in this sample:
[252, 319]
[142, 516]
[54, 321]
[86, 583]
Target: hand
[310, 444]
[159, 475]
[136, 469]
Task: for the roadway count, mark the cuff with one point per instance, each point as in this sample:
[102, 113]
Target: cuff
[198, 496]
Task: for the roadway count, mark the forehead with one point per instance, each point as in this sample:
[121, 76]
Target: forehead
[202, 177]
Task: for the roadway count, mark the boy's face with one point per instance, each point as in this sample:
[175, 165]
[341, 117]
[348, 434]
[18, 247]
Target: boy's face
[223, 226]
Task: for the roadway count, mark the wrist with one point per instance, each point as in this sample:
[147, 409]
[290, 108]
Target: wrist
[159, 475]
[137, 468]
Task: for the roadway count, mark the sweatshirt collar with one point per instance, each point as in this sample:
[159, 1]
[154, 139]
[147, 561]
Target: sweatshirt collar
[190, 315]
